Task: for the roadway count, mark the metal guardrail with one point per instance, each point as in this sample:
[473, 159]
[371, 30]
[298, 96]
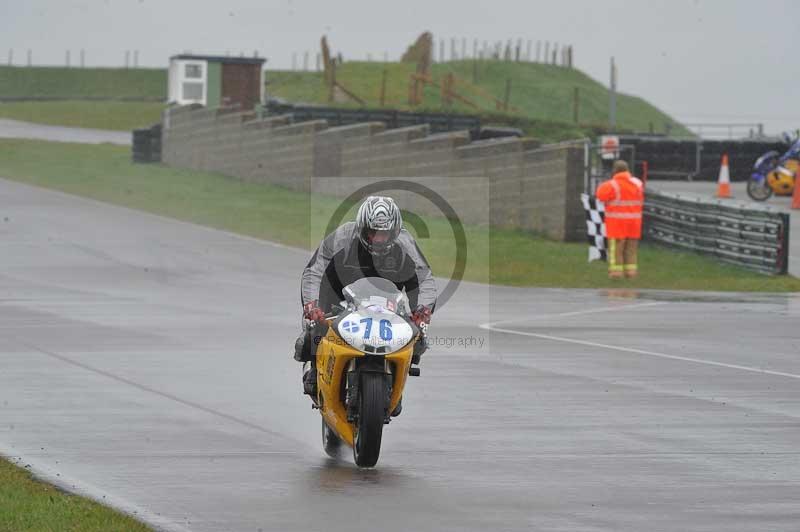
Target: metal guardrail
[750, 237]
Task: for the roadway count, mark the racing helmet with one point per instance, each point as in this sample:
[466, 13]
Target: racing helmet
[378, 224]
[789, 137]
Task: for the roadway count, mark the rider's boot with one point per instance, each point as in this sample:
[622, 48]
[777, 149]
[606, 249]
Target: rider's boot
[398, 408]
[310, 381]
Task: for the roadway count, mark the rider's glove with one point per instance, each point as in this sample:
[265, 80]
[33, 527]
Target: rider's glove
[421, 316]
[312, 312]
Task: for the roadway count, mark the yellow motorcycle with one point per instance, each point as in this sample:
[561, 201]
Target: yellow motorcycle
[363, 360]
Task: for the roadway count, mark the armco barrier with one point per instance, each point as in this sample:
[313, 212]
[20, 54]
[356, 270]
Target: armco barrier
[751, 237]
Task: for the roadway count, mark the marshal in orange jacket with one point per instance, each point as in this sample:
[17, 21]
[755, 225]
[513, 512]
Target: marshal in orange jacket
[623, 196]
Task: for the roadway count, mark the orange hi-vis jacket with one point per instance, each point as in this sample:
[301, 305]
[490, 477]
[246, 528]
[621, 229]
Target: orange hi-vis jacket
[623, 196]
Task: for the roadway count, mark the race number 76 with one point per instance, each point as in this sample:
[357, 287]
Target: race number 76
[385, 329]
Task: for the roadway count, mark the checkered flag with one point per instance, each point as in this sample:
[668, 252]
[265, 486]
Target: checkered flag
[595, 227]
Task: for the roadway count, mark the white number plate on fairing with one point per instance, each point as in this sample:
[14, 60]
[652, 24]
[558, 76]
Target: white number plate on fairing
[377, 327]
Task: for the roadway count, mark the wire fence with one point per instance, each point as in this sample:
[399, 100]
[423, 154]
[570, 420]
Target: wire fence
[455, 49]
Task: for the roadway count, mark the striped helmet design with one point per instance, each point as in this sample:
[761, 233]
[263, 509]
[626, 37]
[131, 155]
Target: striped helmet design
[378, 213]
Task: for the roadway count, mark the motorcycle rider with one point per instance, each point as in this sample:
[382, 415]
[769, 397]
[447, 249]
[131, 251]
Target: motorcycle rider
[790, 137]
[374, 245]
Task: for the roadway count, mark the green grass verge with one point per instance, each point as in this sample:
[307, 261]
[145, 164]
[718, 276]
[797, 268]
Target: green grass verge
[105, 173]
[81, 83]
[542, 93]
[27, 504]
[123, 116]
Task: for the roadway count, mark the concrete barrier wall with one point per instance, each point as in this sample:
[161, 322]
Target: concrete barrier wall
[511, 183]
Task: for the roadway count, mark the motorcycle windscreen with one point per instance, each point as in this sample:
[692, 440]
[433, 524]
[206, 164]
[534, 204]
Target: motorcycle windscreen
[376, 291]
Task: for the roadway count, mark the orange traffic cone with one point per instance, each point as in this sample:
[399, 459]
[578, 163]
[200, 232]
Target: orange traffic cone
[724, 181]
[796, 194]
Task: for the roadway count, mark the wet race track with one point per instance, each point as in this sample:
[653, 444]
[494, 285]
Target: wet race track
[147, 362]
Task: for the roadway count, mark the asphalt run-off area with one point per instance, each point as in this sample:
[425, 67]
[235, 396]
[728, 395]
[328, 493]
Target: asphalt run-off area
[147, 363]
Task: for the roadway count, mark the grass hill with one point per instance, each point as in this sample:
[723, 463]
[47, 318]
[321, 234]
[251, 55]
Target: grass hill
[541, 94]
[143, 84]
[102, 98]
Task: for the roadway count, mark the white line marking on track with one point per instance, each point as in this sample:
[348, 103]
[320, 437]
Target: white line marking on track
[491, 327]
[578, 312]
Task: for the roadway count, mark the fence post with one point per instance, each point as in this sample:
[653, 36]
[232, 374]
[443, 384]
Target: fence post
[783, 265]
[612, 94]
[383, 88]
[332, 84]
[697, 158]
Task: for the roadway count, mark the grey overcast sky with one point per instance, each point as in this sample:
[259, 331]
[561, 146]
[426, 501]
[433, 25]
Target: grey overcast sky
[699, 60]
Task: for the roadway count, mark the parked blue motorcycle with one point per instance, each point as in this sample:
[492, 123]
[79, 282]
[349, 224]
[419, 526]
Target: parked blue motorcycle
[774, 173]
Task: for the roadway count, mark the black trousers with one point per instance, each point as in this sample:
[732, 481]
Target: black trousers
[305, 347]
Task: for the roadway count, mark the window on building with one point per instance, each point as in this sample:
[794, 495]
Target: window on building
[193, 91]
[193, 71]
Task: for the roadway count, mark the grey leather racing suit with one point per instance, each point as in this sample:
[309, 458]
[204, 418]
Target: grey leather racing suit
[341, 260]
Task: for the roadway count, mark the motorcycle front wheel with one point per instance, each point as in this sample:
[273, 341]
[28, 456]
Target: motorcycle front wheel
[758, 190]
[372, 412]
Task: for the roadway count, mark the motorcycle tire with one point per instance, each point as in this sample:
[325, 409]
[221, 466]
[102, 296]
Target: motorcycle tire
[758, 191]
[372, 412]
[330, 441]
